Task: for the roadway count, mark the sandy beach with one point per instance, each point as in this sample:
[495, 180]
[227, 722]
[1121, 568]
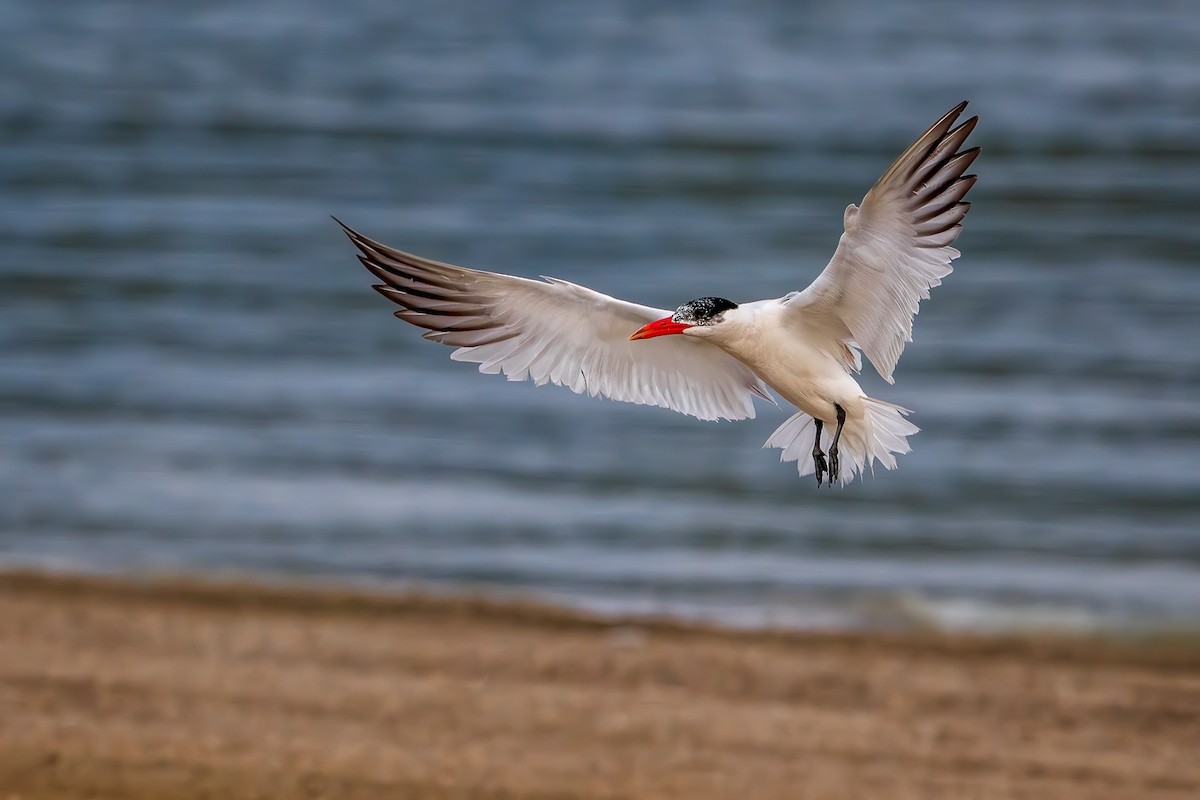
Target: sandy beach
[175, 688]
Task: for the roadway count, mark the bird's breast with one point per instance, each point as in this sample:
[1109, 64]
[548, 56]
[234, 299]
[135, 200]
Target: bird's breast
[800, 371]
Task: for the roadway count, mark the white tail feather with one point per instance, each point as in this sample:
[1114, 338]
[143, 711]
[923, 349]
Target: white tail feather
[880, 435]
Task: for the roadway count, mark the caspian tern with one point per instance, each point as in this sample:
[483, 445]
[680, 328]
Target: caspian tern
[712, 356]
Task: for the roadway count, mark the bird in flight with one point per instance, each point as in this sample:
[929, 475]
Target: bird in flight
[711, 357]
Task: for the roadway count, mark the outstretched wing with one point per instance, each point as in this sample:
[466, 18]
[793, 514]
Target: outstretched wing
[897, 246]
[552, 331]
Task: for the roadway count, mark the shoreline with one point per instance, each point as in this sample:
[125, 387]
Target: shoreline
[288, 593]
[183, 687]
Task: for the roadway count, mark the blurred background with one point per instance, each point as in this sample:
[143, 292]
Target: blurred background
[196, 377]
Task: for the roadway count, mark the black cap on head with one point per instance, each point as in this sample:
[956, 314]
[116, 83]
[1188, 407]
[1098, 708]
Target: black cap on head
[704, 311]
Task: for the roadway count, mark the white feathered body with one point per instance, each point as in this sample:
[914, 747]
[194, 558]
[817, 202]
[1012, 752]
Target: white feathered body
[811, 370]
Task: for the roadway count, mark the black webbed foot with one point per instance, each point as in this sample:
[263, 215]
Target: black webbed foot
[819, 455]
[821, 467]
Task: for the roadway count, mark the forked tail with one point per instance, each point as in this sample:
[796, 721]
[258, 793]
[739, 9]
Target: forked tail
[879, 435]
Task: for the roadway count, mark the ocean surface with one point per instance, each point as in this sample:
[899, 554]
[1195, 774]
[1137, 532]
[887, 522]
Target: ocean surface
[195, 375]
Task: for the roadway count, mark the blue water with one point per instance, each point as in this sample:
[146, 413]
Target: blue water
[195, 375]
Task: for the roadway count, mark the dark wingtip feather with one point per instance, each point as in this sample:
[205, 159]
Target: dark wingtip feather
[948, 119]
[363, 243]
[926, 143]
[387, 291]
[967, 125]
[970, 154]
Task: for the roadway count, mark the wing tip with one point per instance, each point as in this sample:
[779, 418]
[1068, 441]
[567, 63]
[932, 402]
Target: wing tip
[953, 114]
[965, 128]
[950, 117]
[346, 229]
[364, 244]
[928, 141]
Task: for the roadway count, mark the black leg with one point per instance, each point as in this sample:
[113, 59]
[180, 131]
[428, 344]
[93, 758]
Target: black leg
[819, 456]
[835, 463]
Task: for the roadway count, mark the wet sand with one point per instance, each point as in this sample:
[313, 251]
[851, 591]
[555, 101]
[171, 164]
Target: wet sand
[178, 689]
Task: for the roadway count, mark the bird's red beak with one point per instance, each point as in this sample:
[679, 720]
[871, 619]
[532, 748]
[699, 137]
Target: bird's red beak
[660, 327]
